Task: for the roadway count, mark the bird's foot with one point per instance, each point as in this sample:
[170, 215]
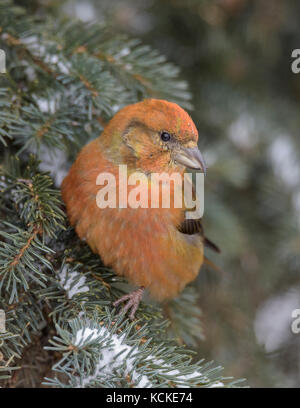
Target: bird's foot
[134, 299]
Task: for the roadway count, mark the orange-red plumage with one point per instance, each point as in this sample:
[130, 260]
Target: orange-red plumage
[142, 244]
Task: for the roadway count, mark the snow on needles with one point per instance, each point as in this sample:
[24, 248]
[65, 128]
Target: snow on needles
[112, 359]
[117, 358]
[73, 282]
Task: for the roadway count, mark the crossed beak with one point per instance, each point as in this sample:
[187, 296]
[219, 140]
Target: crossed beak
[191, 158]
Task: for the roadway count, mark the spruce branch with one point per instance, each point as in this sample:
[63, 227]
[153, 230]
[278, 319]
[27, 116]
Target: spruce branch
[107, 352]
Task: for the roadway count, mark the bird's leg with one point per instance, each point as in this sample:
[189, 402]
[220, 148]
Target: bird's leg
[134, 299]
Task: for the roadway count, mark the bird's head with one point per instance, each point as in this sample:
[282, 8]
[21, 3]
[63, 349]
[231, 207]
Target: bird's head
[153, 136]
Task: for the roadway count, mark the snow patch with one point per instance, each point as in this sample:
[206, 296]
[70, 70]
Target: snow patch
[116, 354]
[54, 161]
[113, 359]
[72, 282]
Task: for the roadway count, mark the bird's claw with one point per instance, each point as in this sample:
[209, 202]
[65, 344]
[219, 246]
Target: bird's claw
[134, 299]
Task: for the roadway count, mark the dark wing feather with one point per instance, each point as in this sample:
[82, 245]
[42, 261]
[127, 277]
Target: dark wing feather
[194, 226]
[191, 227]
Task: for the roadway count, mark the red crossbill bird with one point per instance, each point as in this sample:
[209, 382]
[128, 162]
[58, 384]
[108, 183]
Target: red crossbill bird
[154, 248]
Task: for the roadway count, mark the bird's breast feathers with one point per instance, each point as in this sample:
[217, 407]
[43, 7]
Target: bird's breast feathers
[143, 244]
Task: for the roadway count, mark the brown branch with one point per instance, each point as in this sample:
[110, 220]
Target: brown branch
[139, 78]
[44, 128]
[34, 194]
[89, 86]
[36, 230]
[106, 284]
[11, 40]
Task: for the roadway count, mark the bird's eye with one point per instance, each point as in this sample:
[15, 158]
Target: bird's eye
[165, 136]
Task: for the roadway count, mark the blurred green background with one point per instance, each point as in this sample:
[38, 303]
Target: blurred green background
[236, 56]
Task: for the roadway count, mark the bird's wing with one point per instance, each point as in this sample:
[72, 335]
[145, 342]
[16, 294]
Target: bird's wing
[191, 226]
